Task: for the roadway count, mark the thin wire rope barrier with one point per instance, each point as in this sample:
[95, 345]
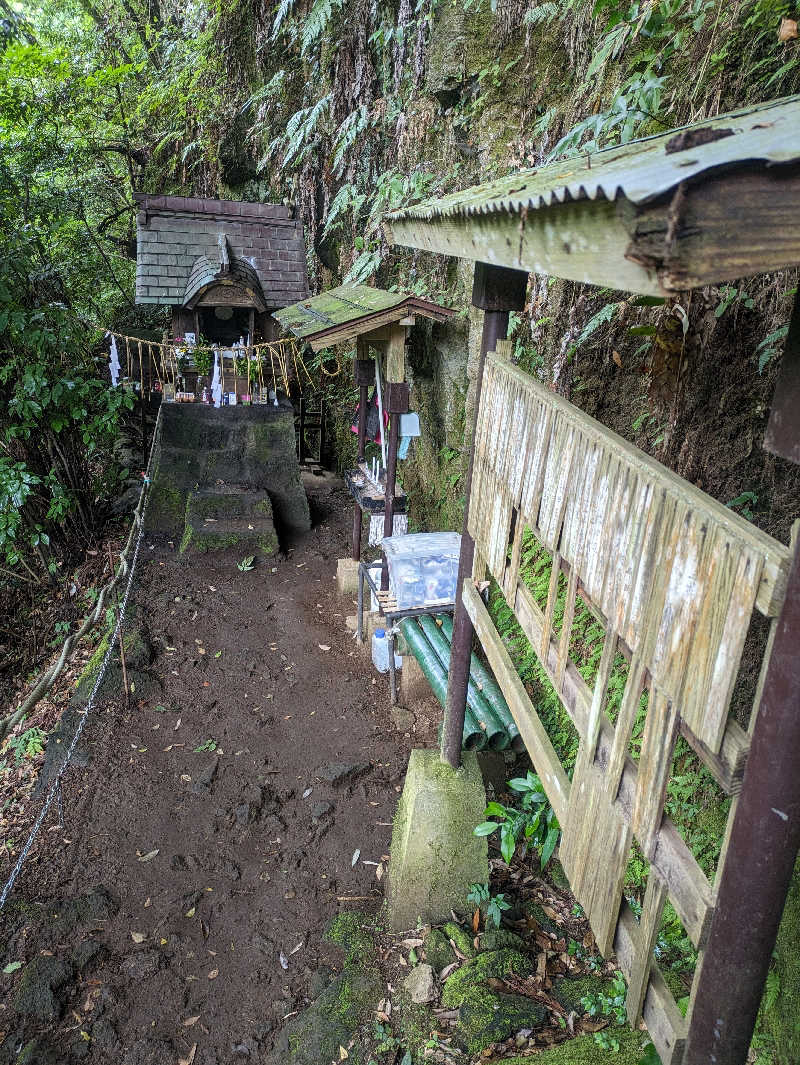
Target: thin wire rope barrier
[54, 791]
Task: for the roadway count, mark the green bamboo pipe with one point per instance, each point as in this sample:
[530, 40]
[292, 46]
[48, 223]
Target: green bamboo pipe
[435, 674]
[489, 689]
[496, 735]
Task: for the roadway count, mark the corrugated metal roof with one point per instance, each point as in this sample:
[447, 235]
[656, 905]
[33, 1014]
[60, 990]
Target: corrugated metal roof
[641, 171]
[336, 307]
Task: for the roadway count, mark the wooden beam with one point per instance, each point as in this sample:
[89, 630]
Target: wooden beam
[396, 354]
[723, 227]
[543, 755]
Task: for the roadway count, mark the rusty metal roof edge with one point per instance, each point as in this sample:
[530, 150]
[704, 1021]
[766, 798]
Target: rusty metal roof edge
[622, 165]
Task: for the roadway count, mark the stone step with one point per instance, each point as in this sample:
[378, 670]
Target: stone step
[227, 501]
[229, 517]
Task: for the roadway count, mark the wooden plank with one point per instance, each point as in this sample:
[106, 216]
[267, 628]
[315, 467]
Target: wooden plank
[547, 623]
[679, 242]
[581, 241]
[396, 354]
[545, 760]
[594, 849]
[690, 892]
[655, 764]
[599, 698]
[776, 556]
[652, 908]
[665, 1025]
[566, 629]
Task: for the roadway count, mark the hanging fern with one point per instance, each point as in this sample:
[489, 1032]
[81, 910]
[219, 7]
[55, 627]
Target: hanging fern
[316, 22]
[542, 13]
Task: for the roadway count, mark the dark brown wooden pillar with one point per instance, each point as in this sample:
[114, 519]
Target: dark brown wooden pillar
[396, 404]
[497, 290]
[765, 835]
[364, 371]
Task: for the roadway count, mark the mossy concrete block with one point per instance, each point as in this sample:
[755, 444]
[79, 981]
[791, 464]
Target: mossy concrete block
[347, 576]
[435, 856]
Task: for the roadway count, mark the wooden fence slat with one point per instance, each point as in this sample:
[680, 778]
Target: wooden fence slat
[594, 850]
[545, 760]
[655, 763]
[652, 908]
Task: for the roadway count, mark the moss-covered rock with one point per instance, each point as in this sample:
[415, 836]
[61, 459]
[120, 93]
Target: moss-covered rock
[493, 964]
[486, 1017]
[585, 1051]
[316, 1035]
[461, 937]
[570, 992]
[354, 933]
[415, 1024]
[534, 909]
[498, 938]
[438, 951]
[40, 994]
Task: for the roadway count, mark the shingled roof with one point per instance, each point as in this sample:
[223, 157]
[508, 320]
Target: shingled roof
[186, 245]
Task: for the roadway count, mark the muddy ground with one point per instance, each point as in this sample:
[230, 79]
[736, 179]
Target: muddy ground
[213, 832]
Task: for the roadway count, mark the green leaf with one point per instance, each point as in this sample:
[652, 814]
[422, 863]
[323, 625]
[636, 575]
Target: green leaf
[12, 967]
[550, 845]
[486, 828]
[507, 843]
[494, 809]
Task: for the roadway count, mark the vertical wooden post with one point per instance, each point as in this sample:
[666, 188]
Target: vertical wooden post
[396, 403]
[765, 835]
[496, 290]
[301, 441]
[364, 371]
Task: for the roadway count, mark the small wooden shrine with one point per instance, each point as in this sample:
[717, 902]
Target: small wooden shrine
[223, 266]
[379, 322]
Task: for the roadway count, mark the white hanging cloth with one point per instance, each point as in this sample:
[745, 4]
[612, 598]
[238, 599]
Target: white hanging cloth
[113, 362]
[216, 384]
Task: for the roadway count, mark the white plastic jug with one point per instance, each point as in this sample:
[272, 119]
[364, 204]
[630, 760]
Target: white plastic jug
[380, 652]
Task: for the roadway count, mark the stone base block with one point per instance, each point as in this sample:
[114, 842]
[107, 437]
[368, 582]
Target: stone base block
[434, 855]
[371, 623]
[414, 684]
[347, 576]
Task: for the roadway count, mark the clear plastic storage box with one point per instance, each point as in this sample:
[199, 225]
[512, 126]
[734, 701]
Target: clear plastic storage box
[423, 568]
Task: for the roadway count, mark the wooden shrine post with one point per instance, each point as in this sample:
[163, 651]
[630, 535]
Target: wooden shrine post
[497, 290]
[364, 370]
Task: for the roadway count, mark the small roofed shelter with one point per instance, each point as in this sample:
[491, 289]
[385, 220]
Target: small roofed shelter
[709, 203]
[223, 266]
[379, 322]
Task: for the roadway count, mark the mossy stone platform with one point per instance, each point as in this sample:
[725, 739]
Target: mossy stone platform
[229, 516]
[251, 447]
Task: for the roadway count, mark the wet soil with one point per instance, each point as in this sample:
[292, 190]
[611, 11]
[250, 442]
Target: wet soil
[222, 817]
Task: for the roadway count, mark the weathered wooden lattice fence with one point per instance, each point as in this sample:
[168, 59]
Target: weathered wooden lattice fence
[675, 577]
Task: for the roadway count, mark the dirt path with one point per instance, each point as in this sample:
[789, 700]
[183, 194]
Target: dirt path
[219, 861]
